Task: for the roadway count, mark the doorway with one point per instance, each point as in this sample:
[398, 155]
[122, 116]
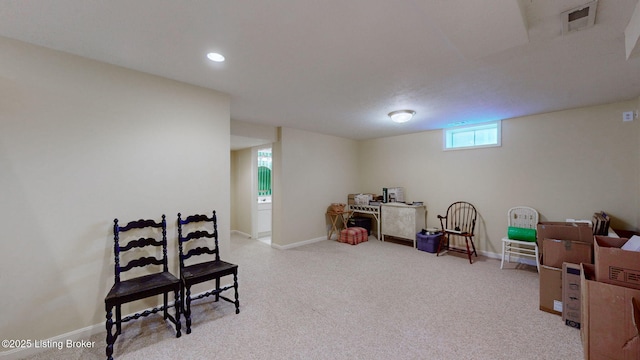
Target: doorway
[262, 187]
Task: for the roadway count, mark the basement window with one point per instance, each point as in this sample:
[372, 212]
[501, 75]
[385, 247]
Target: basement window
[472, 136]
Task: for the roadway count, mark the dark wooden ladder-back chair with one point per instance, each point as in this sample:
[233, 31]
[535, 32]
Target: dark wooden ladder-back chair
[203, 271]
[140, 287]
[460, 220]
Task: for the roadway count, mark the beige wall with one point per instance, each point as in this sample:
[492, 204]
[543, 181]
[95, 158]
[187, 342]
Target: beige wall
[566, 164]
[241, 204]
[254, 131]
[310, 172]
[81, 143]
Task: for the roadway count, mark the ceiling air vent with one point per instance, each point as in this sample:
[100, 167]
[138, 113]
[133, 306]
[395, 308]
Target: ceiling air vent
[580, 18]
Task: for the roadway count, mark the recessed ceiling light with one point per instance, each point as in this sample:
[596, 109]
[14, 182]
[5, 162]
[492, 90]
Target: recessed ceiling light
[401, 116]
[215, 57]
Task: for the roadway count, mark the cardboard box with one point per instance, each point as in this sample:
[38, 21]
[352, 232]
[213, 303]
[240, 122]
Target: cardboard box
[355, 199]
[614, 265]
[556, 252]
[609, 319]
[565, 231]
[571, 294]
[551, 289]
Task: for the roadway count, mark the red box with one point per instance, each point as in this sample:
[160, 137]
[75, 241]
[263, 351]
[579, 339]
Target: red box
[353, 235]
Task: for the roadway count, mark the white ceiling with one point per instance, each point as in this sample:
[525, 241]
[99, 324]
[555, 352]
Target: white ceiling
[339, 67]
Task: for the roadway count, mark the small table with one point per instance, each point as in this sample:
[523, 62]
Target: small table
[335, 227]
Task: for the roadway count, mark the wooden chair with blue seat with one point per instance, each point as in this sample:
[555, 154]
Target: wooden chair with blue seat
[521, 235]
[202, 228]
[153, 277]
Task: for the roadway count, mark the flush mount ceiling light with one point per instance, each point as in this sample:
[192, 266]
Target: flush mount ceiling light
[215, 57]
[401, 116]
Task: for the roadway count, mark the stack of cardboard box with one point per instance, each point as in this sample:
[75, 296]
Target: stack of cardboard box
[560, 243]
[600, 297]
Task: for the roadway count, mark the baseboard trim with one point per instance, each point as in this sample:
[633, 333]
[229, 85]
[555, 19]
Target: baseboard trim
[75, 335]
[238, 232]
[514, 258]
[288, 246]
[297, 244]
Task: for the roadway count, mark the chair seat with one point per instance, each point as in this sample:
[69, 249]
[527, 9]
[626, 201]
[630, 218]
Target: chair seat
[197, 273]
[453, 232]
[141, 287]
[530, 249]
[519, 242]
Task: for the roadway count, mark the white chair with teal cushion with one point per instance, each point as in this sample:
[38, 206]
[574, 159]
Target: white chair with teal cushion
[521, 235]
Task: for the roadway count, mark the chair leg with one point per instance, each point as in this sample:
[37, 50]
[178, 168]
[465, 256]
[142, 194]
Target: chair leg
[110, 337]
[466, 240]
[177, 305]
[182, 297]
[473, 245]
[118, 320]
[442, 241]
[217, 289]
[187, 309]
[235, 286]
[537, 259]
[503, 249]
[166, 302]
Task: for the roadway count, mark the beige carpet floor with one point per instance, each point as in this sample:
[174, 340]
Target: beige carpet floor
[374, 300]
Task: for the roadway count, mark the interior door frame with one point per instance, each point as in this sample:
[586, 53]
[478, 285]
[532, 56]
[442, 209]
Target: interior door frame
[254, 189]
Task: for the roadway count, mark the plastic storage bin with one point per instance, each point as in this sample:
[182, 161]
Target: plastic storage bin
[428, 243]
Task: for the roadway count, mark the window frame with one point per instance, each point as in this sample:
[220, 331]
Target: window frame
[472, 127]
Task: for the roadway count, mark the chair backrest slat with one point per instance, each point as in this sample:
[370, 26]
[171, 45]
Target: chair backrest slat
[523, 217]
[199, 251]
[197, 235]
[196, 218]
[461, 216]
[141, 262]
[140, 224]
[203, 220]
[138, 244]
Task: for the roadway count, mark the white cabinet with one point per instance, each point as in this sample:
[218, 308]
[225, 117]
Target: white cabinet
[264, 219]
[401, 220]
